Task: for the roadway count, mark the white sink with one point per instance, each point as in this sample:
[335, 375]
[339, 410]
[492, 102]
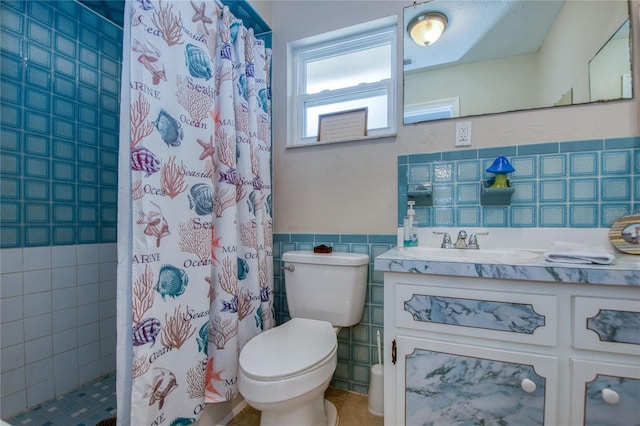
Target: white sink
[469, 255]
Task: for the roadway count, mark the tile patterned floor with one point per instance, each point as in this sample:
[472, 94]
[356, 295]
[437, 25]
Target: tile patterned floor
[353, 410]
[85, 406]
[97, 401]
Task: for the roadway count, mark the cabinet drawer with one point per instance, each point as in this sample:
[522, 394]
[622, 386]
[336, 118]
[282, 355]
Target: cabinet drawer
[604, 394]
[610, 325]
[514, 317]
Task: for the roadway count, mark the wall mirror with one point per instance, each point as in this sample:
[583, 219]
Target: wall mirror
[499, 56]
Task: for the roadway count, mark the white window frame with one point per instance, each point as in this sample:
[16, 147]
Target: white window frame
[369, 34]
[425, 111]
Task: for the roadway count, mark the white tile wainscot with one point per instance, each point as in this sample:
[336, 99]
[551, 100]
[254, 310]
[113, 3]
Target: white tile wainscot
[533, 343]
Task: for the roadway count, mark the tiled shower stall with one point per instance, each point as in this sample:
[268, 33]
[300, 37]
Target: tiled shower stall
[60, 84]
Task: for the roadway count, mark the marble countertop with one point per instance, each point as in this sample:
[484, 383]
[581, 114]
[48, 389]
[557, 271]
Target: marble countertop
[625, 269]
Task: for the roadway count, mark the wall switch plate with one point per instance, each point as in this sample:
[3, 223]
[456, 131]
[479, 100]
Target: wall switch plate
[463, 133]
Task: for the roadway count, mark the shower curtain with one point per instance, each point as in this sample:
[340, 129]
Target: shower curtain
[195, 265]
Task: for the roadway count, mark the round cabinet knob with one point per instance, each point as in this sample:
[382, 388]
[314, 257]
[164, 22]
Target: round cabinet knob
[528, 385]
[610, 396]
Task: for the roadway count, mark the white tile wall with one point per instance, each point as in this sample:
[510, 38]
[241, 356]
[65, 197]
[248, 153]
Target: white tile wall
[64, 319]
[58, 318]
[38, 326]
[34, 258]
[65, 341]
[89, 273]
[12, 358]
[89, 253]
[12, 284]
[37, 281]
[12, 333]
[38, 349]
[66, 382]
[63, 277]
[63, 256]
[14, 379]
[37, 304]
[11, 309]
[88, 293]
[11, 261]
[88, 333]
[39, 372]
[41, 392]
[64, 298]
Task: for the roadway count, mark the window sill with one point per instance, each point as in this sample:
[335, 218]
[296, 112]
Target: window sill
[363, 138]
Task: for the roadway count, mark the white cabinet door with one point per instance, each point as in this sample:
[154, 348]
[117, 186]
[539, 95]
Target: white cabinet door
[604, 394]
[441, 383]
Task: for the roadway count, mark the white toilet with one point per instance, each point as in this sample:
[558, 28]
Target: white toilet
[285, 370]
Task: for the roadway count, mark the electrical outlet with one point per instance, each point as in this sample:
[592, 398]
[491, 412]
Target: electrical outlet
[463, 133]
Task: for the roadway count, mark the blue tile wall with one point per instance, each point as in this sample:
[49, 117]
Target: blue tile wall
[60, 67]
[357, 347]
[580, 184]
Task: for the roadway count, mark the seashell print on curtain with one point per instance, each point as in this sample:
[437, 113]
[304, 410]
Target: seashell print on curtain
[199, 149]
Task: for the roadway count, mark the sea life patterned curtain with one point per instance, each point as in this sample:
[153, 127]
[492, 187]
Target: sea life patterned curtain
[195, 279]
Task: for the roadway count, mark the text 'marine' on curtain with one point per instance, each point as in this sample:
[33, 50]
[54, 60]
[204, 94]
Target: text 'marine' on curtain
[200, 147]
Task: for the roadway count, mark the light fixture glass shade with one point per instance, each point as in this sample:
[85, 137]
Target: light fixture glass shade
[427, 27]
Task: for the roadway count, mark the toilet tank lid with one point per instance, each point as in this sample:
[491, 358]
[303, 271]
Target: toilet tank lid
[335, 258]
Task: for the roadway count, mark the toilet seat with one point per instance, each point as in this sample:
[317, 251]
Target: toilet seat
[289, 349]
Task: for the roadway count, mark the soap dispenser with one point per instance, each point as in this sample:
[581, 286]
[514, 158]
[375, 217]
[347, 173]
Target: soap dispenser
[409, 231]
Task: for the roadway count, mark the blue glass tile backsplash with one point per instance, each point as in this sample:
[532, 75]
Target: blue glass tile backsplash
[588, 183]
[59, 99]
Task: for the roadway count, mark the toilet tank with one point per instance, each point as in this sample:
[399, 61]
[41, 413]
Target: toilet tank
[329, 287]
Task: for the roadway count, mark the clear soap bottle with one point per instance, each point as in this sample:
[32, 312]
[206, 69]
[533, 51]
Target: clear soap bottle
[410, 236]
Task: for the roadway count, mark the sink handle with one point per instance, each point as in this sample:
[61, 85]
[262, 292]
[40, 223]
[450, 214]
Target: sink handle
[473, 240]
[446, 239]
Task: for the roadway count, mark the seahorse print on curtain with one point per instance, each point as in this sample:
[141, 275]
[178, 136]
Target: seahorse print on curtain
[201, 278]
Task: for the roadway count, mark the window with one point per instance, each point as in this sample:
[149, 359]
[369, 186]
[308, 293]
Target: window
[341, 71]
[433, 110]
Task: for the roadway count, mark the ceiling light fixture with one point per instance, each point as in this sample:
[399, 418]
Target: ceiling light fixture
[427, 27]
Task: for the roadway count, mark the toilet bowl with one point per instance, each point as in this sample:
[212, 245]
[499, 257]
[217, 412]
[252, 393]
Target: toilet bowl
[285, 371]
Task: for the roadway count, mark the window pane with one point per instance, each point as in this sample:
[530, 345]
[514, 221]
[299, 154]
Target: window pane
[375, 101]
[350, 69]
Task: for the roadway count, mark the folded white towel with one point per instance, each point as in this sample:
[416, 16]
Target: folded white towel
[565, 252]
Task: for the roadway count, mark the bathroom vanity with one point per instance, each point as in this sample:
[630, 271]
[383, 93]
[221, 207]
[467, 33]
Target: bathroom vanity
[523, 342]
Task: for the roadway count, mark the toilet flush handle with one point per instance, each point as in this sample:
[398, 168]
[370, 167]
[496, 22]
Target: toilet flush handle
[289, 268]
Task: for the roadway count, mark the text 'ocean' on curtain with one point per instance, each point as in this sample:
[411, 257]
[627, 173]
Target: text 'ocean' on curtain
[199, 147]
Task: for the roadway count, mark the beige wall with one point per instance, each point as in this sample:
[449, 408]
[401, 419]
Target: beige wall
[352, 187]
[563, 64]
[504, 84]
[263, 7]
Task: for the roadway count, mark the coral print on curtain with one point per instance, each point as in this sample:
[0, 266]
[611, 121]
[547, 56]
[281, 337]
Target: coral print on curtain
[201, 273]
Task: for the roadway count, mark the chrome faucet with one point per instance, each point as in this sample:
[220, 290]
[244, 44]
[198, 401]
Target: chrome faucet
[461, 242]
